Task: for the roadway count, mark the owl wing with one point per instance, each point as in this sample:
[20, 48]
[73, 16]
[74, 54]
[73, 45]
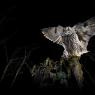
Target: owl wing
[85, 30]
[54, 34]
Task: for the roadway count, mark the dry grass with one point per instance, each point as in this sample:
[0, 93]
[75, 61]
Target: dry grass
[46, 73]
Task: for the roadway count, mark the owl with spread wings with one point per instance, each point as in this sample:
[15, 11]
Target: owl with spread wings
[74, 40]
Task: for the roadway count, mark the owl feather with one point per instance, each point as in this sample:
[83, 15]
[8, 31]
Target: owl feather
[73, 39]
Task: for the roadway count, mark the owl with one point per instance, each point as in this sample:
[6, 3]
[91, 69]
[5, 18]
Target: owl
[73, 39]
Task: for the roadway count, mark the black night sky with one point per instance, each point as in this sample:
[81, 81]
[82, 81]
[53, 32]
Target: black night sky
[20, 27]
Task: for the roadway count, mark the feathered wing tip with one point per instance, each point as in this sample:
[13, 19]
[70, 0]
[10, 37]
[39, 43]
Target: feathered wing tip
[48, 33]
[90, 22]
[54, 34]
[45, 33]
[86, 29]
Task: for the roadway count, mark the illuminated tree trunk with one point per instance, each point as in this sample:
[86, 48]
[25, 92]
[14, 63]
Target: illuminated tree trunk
[75, 67]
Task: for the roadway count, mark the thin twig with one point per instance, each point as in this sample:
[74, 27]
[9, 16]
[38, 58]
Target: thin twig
[9, 63]
[29, 68]
[23, 62]
[3, 75]
[3, 19]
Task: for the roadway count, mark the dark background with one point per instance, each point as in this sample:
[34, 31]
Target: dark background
[21, 24]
